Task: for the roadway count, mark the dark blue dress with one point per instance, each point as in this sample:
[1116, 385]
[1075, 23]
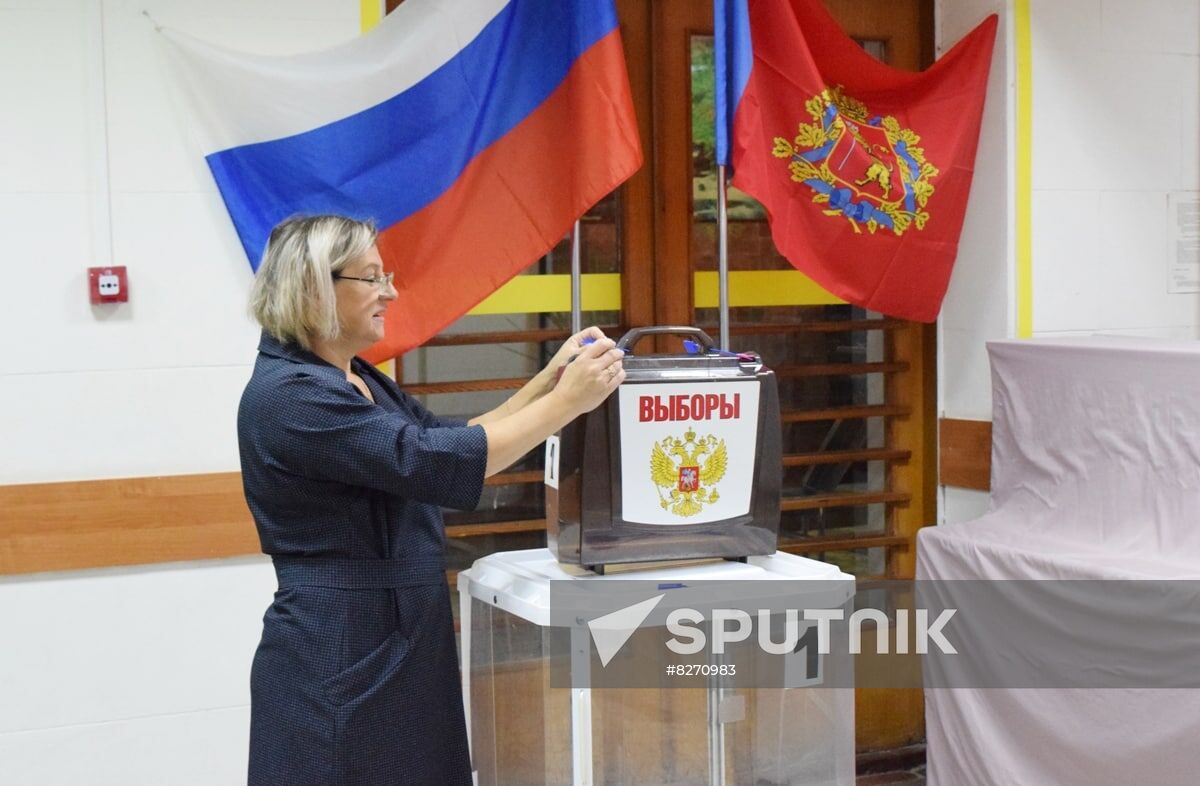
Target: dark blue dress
[356, 680]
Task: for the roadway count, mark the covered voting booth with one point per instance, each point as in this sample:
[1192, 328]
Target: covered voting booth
[534, 719]
[1092, 539]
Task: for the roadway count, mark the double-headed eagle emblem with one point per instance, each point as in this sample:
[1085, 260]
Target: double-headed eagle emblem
[688, 469]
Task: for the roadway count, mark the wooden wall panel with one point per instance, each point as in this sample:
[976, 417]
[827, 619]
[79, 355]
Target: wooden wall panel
[965, 453]
[133, 521]
[130, 521]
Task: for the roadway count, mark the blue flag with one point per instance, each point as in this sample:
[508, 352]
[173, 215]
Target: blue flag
[732, 57]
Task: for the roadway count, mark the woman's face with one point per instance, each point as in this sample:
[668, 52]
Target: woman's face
[360, 304]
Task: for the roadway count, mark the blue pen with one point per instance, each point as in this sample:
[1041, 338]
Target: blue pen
[590, 340]
[691, 347]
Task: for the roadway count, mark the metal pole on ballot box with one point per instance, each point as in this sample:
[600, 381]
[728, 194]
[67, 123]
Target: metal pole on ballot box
[722, 258]
[576, 281]
[716, 729]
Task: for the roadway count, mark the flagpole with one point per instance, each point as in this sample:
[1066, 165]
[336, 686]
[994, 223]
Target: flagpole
[722, 259]
[576, 281]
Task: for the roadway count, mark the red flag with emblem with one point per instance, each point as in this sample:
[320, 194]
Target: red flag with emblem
[864, 169]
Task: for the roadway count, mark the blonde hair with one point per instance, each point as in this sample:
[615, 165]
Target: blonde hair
[293, 296]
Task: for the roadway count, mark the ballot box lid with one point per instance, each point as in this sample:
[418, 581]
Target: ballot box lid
[519, 581]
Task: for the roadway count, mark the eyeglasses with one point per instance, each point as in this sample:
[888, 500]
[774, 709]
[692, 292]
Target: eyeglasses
[383, 282]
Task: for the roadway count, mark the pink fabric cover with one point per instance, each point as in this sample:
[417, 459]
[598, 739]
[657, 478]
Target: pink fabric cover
[1095, 475]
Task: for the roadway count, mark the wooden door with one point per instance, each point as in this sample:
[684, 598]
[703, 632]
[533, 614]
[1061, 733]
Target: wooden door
[857, 390]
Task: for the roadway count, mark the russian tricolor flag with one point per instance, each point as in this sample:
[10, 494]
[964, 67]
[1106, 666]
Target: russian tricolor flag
[473, 132]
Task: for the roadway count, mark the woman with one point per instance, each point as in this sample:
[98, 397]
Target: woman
[356, 679]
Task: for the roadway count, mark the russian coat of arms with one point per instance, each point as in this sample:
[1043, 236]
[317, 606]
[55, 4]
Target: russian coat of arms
[866, 168]
[685, 472]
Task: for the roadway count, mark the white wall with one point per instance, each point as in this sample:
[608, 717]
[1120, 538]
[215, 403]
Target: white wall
[1116, 130]
[130, 676]
[94, 150]
[134, 676]
[1116, 105]
[978, 304]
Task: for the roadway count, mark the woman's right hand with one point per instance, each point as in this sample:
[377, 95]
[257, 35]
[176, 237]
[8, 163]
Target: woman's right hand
[586, 381]
[592, 376]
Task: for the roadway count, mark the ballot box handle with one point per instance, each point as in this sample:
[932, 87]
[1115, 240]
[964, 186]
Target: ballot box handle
[633, 336]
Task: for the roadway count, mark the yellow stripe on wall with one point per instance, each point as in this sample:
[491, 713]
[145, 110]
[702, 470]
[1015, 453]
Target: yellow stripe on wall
[1024, 173]
[537, 294]
[762, 288]
[369, 13]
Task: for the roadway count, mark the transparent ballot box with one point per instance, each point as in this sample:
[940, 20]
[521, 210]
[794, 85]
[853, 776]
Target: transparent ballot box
[566, 678]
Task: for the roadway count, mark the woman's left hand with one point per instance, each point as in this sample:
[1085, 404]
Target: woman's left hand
[570, 348]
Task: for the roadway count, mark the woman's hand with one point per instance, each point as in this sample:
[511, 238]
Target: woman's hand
[543, 382]
[593, 375]
[586, 381]
[570, 348]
